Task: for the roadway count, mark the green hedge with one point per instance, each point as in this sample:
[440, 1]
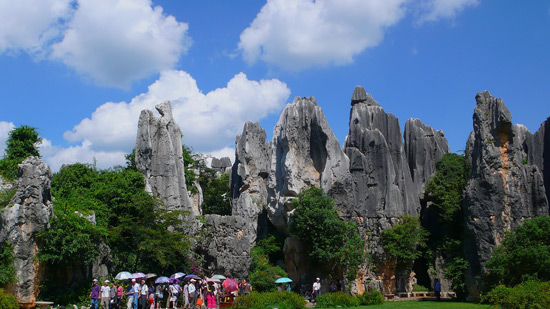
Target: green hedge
[281, 300]
[529, 294]
[336, 299]
[8, 301]
[370, 298]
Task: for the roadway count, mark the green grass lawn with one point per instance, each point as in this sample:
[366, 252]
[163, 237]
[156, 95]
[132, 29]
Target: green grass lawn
[424, 304]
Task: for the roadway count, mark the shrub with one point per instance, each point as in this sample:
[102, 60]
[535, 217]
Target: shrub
[402, 242]
[336, 299]
[529, 294]
[420, 288]
[370, 298]
[7, 257]
[8, 301]
[262, 273]
[286, 300]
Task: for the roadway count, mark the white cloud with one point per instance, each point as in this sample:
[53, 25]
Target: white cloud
[208, 121]
[84, 153]
[296, 35]
[224, 152]
[5, 128]
[116, 42]
[434, 10]
[300, 34]
[30, 24]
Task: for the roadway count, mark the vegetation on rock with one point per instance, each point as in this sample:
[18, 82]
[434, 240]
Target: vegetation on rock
[524, 254]
[262, 272]
[7, 300]
[7, 257]
[22, 142]
[529, 294]
[403, 241]
[332, 243]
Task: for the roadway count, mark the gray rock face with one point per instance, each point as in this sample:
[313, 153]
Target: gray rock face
[159, 157]
[249, 175]
[304, 153]
[382, 182]
[222, 165]
[539, 153]
[504, 189]
[424, 146]
[27, 215]
[227, 245]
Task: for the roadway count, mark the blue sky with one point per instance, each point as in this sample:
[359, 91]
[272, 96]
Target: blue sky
[81, 71]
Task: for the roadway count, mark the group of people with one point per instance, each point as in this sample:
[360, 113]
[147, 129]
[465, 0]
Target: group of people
[194, 294]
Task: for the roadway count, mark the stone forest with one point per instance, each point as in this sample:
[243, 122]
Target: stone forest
[383, 211]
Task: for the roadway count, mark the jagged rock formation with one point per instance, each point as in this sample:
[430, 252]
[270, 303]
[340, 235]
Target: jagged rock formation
[383, 189]
[159, 157]
[504, 188]
[538, 149]
[222, 165]
[27, 214]
[249, 174]
[227, 245]
[424, 146]
[304, 153]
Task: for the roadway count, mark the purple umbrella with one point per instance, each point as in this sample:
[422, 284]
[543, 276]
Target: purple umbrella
[138, 275]
[174, 281]
[162, 280]
[189, 277]
[177, 275]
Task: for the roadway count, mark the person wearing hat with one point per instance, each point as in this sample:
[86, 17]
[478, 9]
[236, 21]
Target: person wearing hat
[137, 289]
[95, 295]
[193, 293]
[105, 291]
[316, 288]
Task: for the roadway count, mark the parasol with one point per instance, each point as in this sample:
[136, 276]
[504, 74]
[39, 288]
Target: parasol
[230, 285]
[123, 275]
[162, 280]
[283, 280]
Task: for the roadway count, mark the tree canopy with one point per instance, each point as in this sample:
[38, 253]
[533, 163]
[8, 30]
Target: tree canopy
[403, 241]
[22, 142]
[331, 242]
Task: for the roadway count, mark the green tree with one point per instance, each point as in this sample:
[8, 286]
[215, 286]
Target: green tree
[190, 165]
[403, 241]
[331, 242]
[524, 254]
[262, 273]
[7, 257]
[444, 218]
[22, 143]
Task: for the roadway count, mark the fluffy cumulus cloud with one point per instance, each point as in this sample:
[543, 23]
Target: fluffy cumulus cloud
[5, 128]
[209, 122]
[299, 34]
[433, 10]
[30, 24]
[83, 153]
[115, 42]
[111, 42]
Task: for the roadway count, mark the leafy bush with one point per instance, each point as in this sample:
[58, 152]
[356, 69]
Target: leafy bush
[263, 274]
[8, 301]
[281, 300]
[420, 288]
[329, 240]
[7, 257]
[336, 299]
[524, 254]
[370, 298]
[529, 294]
[6, 196]
[403, 241]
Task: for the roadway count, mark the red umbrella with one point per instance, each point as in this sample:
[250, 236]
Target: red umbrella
[230, 285]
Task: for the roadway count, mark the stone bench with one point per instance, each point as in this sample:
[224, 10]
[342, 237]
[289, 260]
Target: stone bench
[43, 304]
[404, 295]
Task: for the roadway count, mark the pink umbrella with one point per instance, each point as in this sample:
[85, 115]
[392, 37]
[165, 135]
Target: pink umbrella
[230, 285]
[213, 280]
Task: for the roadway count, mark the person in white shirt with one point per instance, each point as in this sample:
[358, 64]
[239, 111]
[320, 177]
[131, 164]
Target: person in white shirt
[316, 288]
[193, 293]
[143, 295]
[105, 291]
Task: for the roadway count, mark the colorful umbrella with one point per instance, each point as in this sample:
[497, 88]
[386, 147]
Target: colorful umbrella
[138, 275]
[123, 275]
[151, 275]
[177, 275]
[283, 280]
[162, 280]
[213, 280]
[221, 277]
[189, 277]
[230, 285]
[175, 281]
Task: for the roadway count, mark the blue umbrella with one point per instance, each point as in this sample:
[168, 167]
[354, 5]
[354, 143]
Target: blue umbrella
[162, 280]
[283, 280]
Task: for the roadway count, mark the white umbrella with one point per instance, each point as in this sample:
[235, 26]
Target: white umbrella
[123, 275]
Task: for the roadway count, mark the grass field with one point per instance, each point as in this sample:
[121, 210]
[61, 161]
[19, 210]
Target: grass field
[424, 304]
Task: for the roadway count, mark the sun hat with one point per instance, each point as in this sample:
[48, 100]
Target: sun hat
[106, 281]
[95, 280]
[318, 279]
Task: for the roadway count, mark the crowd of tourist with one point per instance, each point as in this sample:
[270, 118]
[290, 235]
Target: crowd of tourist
[139, 294]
